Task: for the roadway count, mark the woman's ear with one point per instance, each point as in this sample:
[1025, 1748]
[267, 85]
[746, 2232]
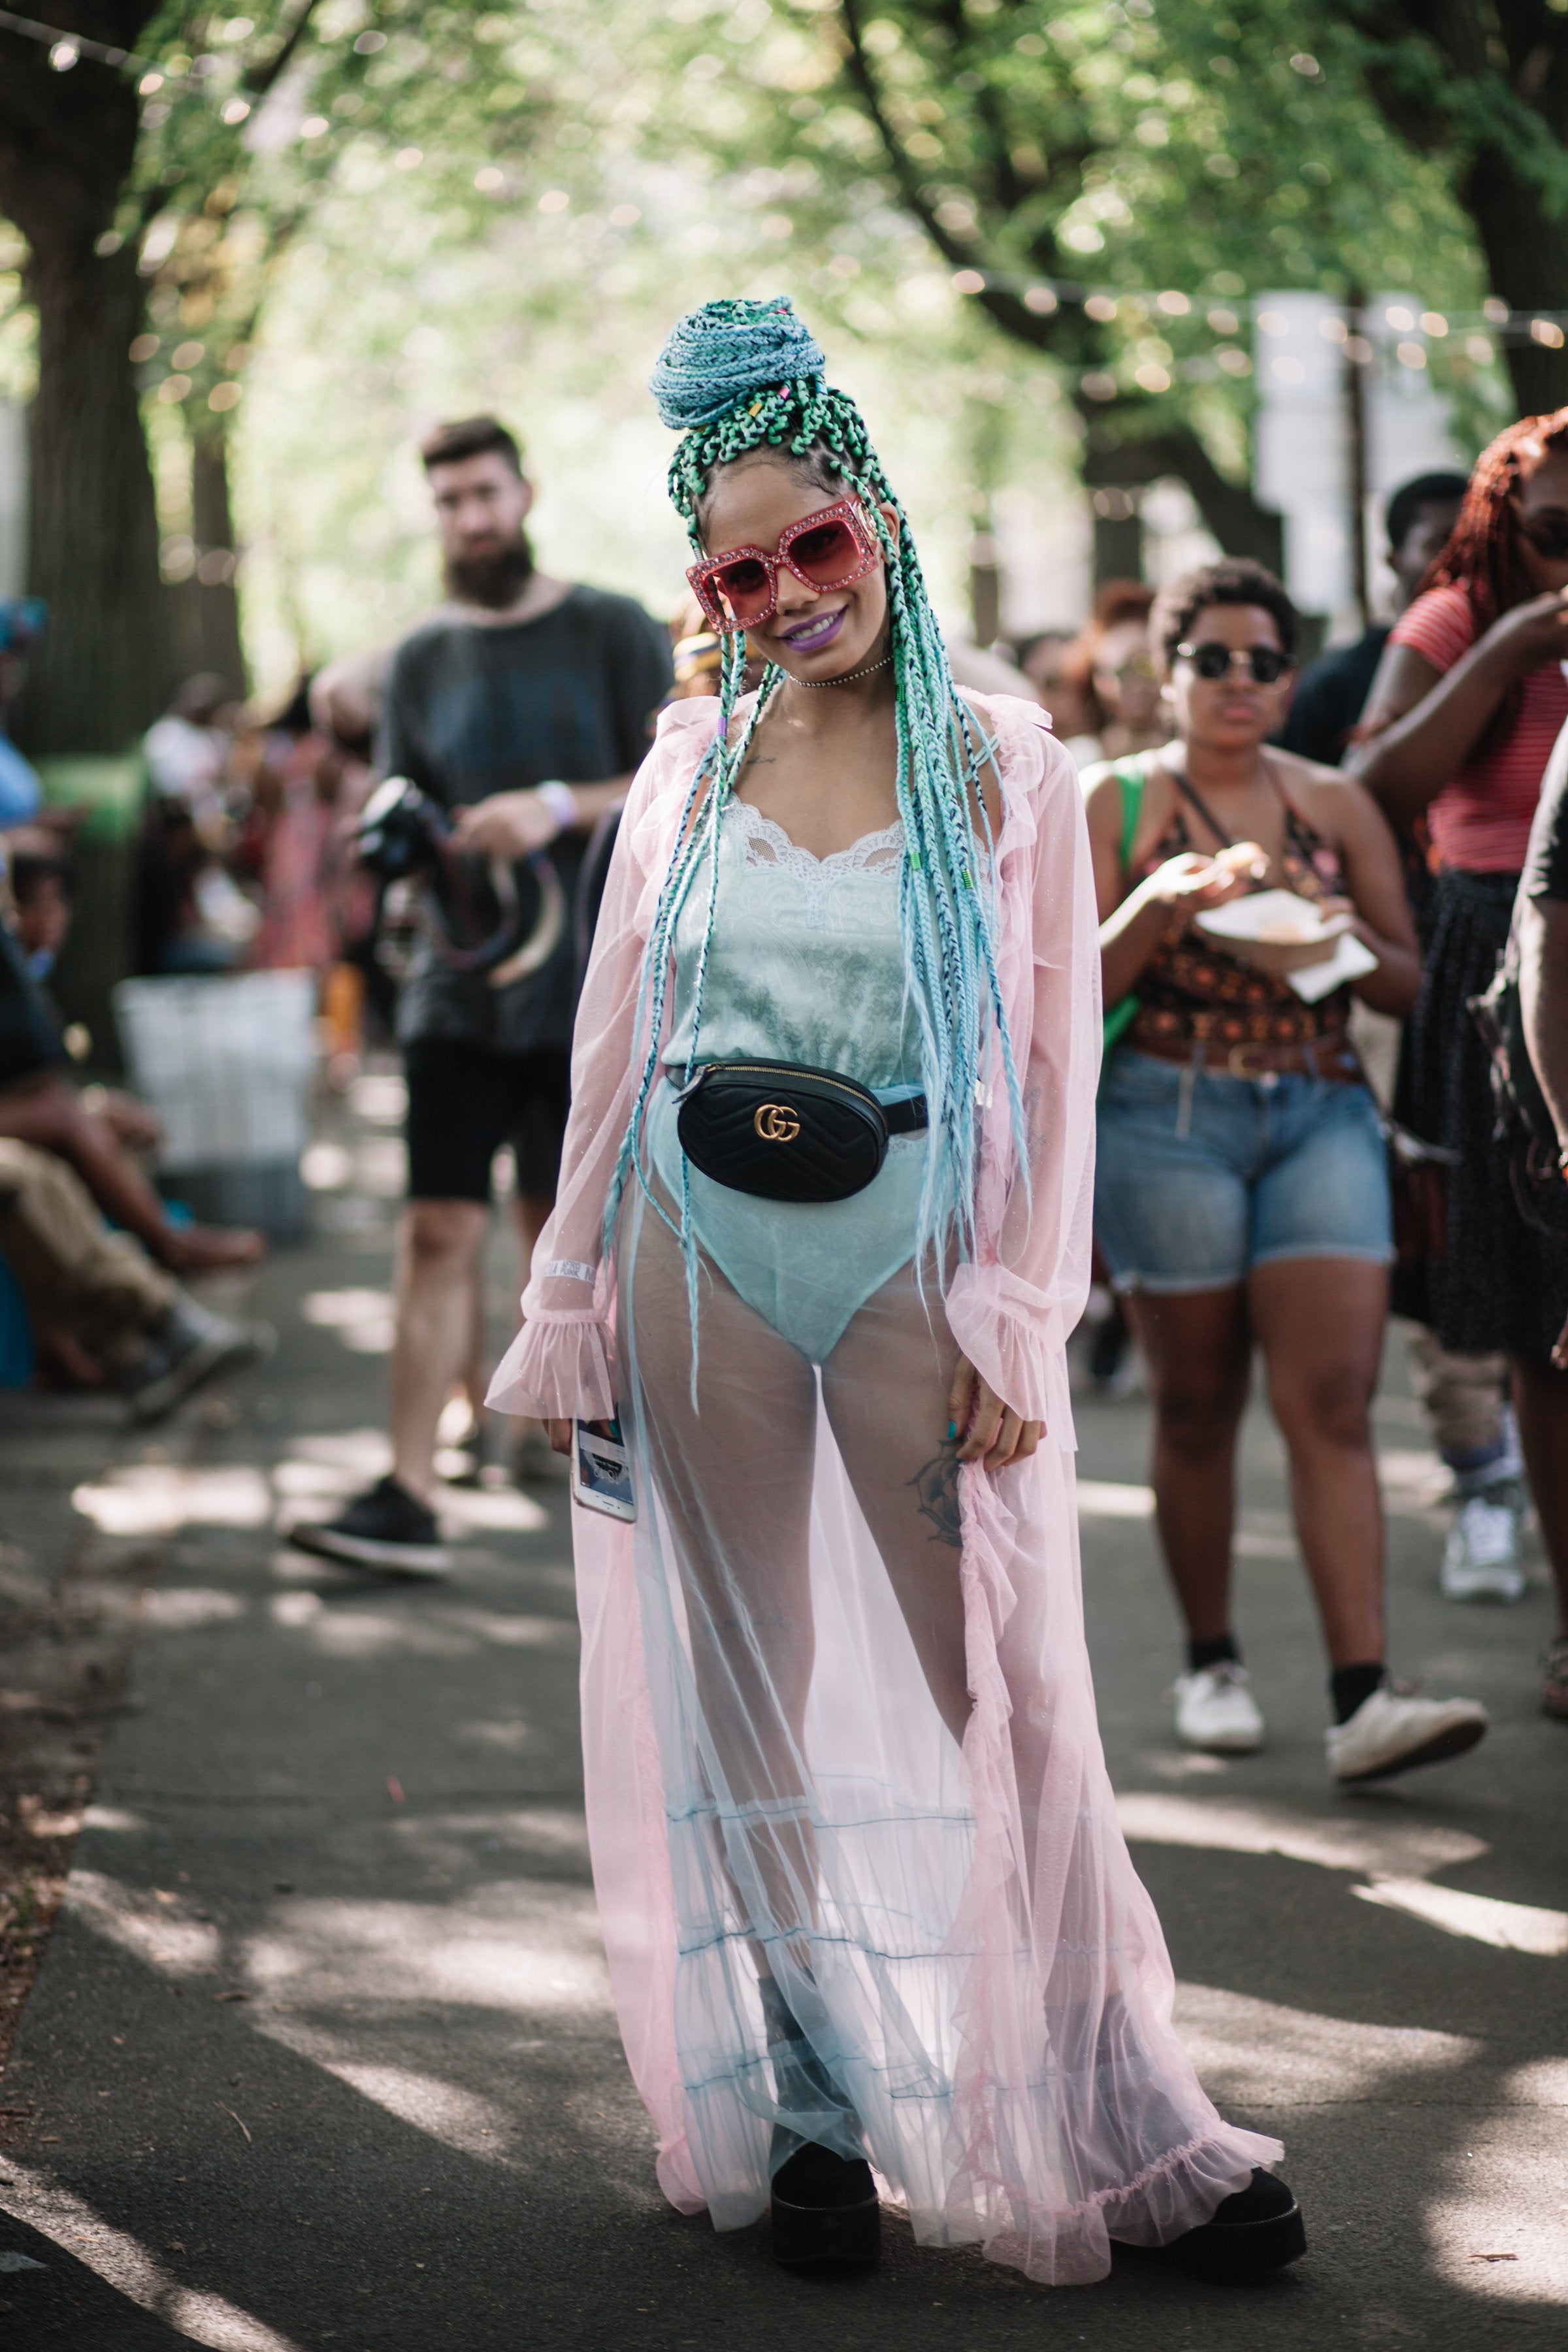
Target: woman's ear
[890, 514]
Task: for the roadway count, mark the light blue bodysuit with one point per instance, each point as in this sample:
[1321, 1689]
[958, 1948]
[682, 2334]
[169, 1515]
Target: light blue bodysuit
[806, 965]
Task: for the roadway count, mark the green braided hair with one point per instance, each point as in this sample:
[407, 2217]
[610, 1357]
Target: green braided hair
[739, 376]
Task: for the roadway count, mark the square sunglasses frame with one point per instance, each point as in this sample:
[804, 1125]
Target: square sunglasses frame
[704, 577]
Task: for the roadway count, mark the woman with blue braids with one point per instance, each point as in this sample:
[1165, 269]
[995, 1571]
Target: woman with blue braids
[822, 1234]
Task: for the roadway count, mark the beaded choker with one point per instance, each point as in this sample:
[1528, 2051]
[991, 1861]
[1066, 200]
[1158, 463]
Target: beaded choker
[849, 677]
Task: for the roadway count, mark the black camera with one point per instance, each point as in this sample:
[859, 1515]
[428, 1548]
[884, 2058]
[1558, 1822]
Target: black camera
[401, 831]
[481, 914]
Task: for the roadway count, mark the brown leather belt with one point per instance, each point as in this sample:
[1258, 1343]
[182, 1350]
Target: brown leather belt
[1328, 1057]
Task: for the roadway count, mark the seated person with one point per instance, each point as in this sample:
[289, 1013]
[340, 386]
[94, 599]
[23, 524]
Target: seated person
[41, 1105]
[41, 897]
[102, 1314]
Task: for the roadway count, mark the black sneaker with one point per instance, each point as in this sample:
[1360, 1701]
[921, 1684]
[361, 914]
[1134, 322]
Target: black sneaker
[1258, 2230]
[185, 1349]
[385, 1528]
[825, 2211]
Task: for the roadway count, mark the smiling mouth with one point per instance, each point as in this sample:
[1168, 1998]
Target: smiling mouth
[810, 636]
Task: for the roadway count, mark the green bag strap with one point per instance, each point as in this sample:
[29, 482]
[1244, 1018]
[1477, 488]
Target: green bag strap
[1129, 774]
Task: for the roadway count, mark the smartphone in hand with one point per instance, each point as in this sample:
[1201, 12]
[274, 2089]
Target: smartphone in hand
[602, 1470]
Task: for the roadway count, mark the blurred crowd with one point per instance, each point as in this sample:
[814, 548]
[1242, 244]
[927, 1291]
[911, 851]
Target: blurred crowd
[247, 859]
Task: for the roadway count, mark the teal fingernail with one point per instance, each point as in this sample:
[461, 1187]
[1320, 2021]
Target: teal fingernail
[953, 1429]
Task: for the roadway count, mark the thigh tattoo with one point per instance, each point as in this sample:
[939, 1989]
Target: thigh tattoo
[936, 1487]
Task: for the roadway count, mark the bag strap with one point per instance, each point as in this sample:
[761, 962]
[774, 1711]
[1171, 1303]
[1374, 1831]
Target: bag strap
[1129, 774]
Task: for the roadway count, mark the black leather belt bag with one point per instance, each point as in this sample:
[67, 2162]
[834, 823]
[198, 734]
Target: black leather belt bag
[789, 1133]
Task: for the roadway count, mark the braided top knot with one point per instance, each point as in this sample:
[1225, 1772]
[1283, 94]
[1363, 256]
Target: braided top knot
[716, 356]
[737, 377]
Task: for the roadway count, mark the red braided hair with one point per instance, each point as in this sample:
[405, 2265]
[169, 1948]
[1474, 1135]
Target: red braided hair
[1482, 553]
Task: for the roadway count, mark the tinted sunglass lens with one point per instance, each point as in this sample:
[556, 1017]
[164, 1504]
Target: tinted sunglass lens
[1213, 661]
[1549, 537]
[745, 587]
[826, 554]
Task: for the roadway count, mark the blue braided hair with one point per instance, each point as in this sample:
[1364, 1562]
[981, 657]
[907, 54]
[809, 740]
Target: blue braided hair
[738, 376]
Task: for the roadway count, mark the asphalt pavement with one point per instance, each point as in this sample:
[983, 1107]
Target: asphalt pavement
[321, 2059]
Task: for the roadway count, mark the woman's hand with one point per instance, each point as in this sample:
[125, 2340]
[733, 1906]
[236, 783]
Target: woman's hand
[1189, 880]
[507, 825]
[559, 1433]
[1532, 633]
[987, 1430]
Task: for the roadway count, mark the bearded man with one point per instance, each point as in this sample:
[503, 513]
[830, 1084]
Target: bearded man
[524, 705]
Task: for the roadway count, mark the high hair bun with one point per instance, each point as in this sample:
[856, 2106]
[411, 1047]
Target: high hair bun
[718, 356]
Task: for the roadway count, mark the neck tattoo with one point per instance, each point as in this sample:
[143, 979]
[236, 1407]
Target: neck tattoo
[849, 677]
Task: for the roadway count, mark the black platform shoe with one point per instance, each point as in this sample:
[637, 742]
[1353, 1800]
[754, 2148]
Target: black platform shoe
[825, 2209]
[1258, 2230]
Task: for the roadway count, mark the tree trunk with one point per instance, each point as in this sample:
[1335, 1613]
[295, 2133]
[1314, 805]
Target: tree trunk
[1130, 460]
[1527, 259]
[1502, 54]
[212, 527]
[67, 144]
[101, 672]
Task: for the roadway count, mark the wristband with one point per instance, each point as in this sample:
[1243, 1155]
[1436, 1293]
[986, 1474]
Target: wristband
[558, 800]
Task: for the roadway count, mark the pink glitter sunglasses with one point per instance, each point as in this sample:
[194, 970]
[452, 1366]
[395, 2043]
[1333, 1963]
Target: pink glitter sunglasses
[824, 550]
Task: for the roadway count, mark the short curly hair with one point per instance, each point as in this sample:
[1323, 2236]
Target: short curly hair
[1234, 580]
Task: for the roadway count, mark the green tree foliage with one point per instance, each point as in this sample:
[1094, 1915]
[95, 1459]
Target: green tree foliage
[1111, 181]
[1480, 86]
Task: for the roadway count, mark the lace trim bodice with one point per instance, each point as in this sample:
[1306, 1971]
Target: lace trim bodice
[806, 961]
[765, 844]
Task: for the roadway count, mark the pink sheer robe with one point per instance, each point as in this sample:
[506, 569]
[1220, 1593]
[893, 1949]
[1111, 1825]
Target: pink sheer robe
[838, 1718]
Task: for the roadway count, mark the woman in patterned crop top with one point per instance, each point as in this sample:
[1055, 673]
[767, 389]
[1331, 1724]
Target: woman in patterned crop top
[1467, 702]
[1241, 1192]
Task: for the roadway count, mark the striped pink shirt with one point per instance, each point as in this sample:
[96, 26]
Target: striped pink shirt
[1481, 820]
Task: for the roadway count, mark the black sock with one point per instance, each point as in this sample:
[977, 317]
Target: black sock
[1349, 1685]
[1219, 1652]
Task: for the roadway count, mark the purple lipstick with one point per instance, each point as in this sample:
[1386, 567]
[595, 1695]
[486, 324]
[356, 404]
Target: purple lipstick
[812, 636]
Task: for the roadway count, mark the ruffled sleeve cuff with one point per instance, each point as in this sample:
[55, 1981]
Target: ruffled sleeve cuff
[557, 1368]
[1016, 1346]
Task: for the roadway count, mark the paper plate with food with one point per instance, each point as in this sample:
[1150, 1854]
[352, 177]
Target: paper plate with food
[1281, 933]
[1274, 928]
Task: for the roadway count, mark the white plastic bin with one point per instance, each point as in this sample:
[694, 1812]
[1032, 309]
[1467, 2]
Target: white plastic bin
[226, 1064]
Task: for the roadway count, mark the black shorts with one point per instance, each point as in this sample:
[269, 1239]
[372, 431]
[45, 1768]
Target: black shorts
[464, 1103]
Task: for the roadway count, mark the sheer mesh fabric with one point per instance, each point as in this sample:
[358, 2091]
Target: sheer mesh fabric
[843, 1770]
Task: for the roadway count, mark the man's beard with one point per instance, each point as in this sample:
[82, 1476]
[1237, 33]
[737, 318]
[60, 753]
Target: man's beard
[495, 579]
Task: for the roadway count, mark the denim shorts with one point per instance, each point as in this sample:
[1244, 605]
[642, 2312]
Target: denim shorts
[1200, 1177]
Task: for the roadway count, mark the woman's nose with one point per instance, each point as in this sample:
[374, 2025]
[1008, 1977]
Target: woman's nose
[794, 595]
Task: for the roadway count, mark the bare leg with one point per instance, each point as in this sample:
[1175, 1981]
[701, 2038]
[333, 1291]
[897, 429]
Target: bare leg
[1540, 1400]
[50, 1115]
[885, 1386]
[474, 1379]
[734, 1478]
[531, 1213]
[439, 1242]
[1198, 1346]
[1321, 1322]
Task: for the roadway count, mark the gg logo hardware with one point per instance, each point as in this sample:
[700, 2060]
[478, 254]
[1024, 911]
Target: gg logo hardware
[776, 1123]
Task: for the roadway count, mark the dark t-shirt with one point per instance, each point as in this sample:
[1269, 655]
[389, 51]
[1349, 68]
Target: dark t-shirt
[1330, 699]
[29, 1032]
[474, 707]
[1545, 872]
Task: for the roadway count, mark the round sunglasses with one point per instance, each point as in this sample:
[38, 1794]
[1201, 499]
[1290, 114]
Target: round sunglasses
[1212, 660]
[825, 549]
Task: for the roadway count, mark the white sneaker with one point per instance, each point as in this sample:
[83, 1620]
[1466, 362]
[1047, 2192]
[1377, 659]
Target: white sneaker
[1216, 1710]
[1396, 1729]
[1480, 1559]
